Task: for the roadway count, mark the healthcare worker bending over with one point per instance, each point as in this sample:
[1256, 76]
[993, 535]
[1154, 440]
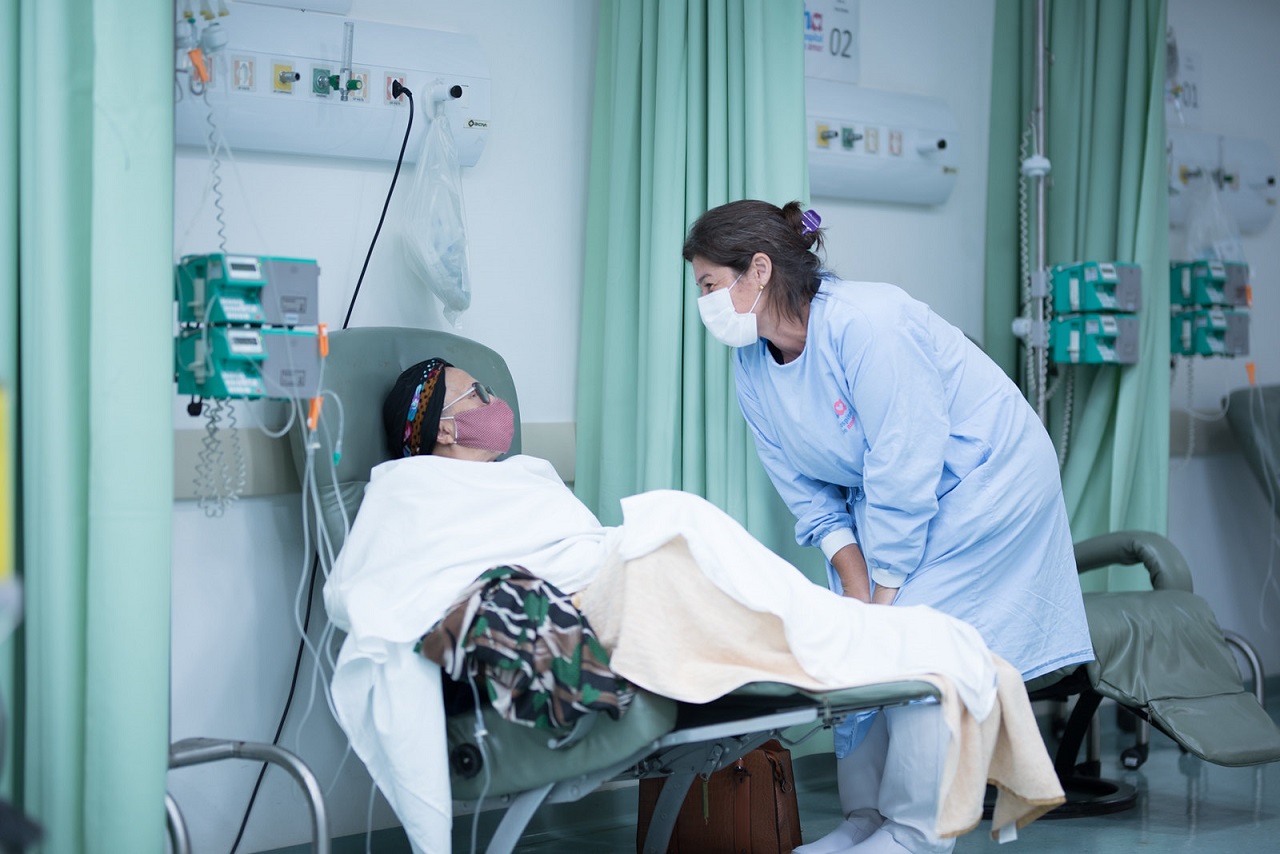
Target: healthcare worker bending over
[911, 460]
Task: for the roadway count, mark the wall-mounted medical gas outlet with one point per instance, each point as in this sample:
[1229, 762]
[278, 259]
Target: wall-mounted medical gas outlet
[325, 83]
[879, 146]
[1210, 332]
[258, 110]
[320, 84]
[1096, 286]
[1095, 339]
[1208, 283]
[283, 76]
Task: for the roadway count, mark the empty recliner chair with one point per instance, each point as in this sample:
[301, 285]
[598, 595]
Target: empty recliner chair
[1161, 654]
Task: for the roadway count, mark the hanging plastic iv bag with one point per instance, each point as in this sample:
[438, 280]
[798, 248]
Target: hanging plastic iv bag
[435, 239]
[1212, 233]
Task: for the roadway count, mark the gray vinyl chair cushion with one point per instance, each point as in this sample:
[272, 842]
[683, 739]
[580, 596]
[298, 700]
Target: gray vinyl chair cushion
[1227, 729]
[519, 759]
[1162, 651]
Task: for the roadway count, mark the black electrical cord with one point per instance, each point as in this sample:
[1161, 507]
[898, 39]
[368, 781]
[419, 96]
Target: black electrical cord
[396, 90]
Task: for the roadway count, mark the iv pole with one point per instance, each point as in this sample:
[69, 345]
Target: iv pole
[1040, 277]
[1035, 334]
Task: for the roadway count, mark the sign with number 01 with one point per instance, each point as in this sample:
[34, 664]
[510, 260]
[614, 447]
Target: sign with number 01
[831, 40]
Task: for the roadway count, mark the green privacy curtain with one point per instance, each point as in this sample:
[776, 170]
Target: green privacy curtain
[86, 152]
[1108, 201]
[697, 103]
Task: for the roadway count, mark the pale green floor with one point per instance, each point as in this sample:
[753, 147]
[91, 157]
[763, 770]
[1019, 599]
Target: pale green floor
[1184, 804]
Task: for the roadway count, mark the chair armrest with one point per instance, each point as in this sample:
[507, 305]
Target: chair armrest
[1166, 565]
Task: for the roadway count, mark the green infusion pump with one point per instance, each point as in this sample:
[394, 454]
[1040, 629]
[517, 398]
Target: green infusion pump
[247, 327]
[1095, 307]
[1095, 339]
[1208, 283]
[1096, 286]
[1210, 332]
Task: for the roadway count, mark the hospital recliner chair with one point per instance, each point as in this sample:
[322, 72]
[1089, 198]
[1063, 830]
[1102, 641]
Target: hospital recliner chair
[516, 767]
[1162, 655]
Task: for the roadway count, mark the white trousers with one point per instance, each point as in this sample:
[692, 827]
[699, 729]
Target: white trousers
[896, 771]
[889, 785]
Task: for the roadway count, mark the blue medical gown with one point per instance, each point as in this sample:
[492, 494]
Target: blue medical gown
[893, 430]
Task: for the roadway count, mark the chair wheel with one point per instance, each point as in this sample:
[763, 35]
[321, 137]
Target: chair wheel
[1134, 757]
[466, 761]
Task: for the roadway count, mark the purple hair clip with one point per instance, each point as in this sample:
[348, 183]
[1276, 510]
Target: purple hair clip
[811, 221]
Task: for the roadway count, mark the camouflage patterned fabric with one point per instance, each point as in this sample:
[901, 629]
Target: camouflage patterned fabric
[528, 649]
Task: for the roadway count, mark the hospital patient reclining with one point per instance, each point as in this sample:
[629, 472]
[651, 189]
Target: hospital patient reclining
[444, 510]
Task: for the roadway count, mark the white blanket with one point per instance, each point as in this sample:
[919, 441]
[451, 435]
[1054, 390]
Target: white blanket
[428, 526]
[651, 611]
[839, 642]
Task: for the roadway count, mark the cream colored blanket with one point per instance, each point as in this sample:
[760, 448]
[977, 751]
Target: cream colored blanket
[671, 630]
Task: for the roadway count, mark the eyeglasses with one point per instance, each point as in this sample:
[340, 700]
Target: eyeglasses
[478, 389]
[483, 392]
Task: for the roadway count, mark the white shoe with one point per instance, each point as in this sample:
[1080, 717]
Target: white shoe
[884, 841]
[847, 834]
[880, 842]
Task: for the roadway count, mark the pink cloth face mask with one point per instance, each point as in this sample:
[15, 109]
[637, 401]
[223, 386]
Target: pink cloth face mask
[491, 427]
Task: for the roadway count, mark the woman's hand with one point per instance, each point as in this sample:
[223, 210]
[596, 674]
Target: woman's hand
[852, 569]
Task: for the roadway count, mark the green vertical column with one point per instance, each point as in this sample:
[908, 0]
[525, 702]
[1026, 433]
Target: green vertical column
[130, 489]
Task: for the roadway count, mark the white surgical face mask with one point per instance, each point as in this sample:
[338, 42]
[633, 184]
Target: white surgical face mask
[724, 322]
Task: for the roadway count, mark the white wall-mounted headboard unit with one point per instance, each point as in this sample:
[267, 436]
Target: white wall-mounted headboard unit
[272, 74]
[879, 146]
[1244, 171]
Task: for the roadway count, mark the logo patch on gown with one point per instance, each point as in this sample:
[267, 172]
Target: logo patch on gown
[844, 415]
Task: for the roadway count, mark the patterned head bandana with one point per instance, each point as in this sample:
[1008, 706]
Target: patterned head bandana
[411, 410]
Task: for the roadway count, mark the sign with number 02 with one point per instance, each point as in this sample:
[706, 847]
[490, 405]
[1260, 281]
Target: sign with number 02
[831, 40]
